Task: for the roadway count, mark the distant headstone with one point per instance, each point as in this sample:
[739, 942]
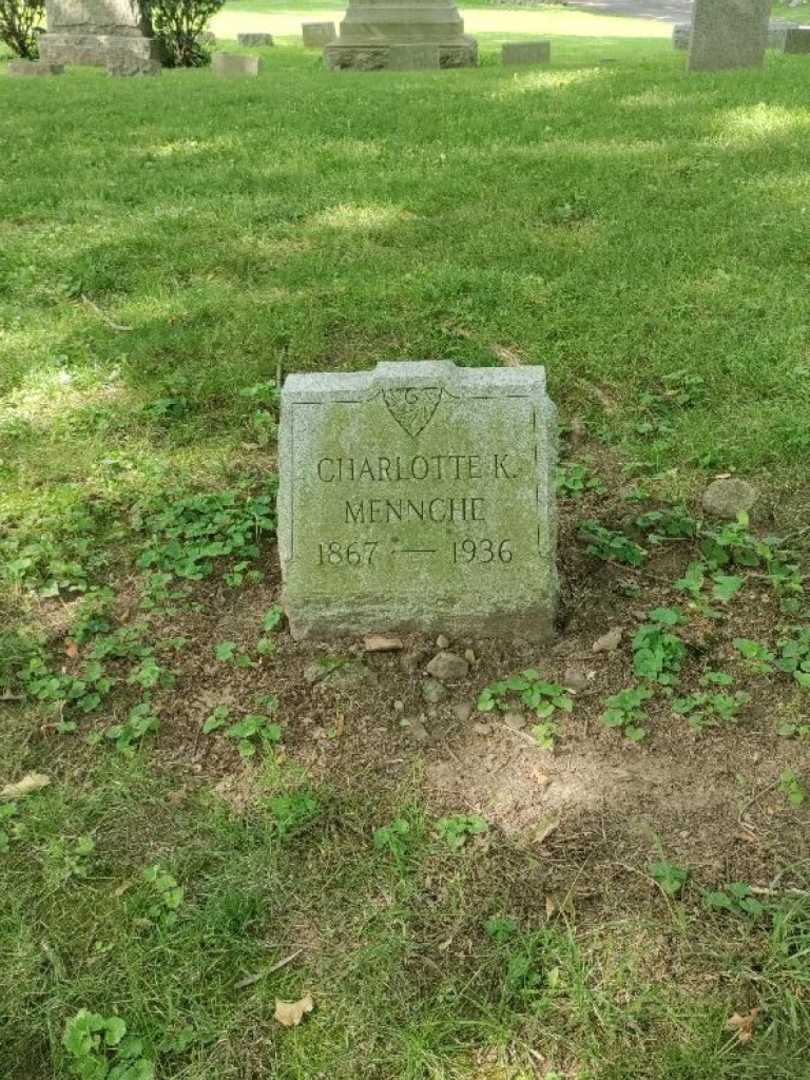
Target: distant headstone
[317, 34]
[681, 35]
[412, 57]
[418, 497]
[728, 34]
[371, 28]
[207, 37]
[25, 68]
[797, 39]
[526, 52]
[96, 32]
[235, 65]
[254, 40]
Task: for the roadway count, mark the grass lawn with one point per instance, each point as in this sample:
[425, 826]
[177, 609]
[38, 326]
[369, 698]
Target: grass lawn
[209, 841]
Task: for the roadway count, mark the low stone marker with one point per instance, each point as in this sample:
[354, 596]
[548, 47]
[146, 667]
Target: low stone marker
[797, 39]
[526, 52]
[418, 497]
[255, 41]
[318, 34]
[207, 37]
[234, 65]
[728, 34]
[412, 57]
[26, 68]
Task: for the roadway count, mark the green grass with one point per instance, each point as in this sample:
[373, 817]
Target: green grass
[164, 245]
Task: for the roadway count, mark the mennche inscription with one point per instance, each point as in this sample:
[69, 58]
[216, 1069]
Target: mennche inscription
[418, 496]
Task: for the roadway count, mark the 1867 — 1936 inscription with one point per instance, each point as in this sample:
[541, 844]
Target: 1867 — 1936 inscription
[418, 497]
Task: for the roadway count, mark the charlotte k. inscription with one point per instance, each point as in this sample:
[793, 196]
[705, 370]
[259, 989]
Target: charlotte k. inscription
[418, 496]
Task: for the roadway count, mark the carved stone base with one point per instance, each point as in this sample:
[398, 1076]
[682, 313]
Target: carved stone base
[377, 57]
[97, 50]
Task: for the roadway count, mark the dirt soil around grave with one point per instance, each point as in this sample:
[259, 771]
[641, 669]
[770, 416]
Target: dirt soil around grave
[596, 804]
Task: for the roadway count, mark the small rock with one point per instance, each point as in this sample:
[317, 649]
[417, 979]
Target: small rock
[470, 657]
[728, 497]
[433, 691]
[515, 720]
[442, 642]
[399, 706]
[482, 729]
[610, 641]
[313, 673]
[462, 712]
[418, 730]
[575, 678]
[448, 667]
[381, 643]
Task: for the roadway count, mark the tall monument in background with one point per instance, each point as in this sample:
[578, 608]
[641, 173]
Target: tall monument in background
[379, 34]
[97, 32]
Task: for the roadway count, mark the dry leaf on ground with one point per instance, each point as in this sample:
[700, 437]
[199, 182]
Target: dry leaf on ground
[743, 1025]
[71, 650]
[291, 1013]
[30, 783]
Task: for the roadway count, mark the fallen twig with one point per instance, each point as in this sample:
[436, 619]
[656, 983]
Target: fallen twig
[112, 325]
[251, 979]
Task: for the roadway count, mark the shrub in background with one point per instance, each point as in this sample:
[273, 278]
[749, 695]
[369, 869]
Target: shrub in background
[21, 23]
[178, 25]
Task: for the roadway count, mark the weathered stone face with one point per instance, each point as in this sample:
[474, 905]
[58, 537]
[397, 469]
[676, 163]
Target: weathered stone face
[797, 39]
[419, 496]
[316, 35]
[412, 57]
[33, 68]
[681, 35]
[728, 34]
[234, 65]
[98, 32]
[526, 52]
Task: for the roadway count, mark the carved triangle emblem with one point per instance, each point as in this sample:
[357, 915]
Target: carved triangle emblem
[413, 406]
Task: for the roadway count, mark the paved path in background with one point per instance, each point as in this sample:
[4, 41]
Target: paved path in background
[668, 10]
[227, 24]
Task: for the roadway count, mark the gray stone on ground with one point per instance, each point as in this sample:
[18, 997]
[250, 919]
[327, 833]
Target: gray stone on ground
[728, 34]
[575, 677]
[33, 68]
[254, 41]
[372, 27]
[95, 32]
[729, 497]
[418, 497]
[797, 40]
[448, 667]
[442, 642]
[381, 643]
[316, 35]
[413, 57]
[434, 691]
[526, 52]
[608, 642]
[235, 65]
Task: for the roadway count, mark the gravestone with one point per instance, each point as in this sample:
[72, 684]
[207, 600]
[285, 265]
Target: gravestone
[372, 27]
[235, 65]
[28, 68]
[681, 35]
[418, 497]
[526, 52]
[412, 57]
[96, 32]
[254, 40]
[728, 34]
[317, 34]
[797, 39]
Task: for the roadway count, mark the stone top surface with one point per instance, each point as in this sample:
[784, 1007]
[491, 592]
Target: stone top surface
[94, 16]
[418, 496]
